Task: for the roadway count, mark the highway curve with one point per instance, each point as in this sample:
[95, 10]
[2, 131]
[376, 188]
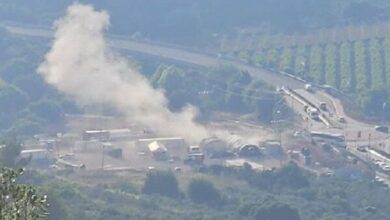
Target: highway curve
[182, 55]
[207, 60]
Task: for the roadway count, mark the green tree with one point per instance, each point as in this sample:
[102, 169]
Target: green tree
[372, 101]
[259, 57]
[33, 85]
[286, 60]
[292, 176]
[9, 151]
[244, 55]
[300, 61]
[272, 58]
[161, 183]
[169, 78]
[15, 68]
[316, 64]
[256, 90]
[275, 211]
[203, 191]
[376, 64]
[347, 81]
[25, 126]
[331, 74]
[386, 53]
[12, 99]
[362, 75]
[47, 110]
[233, 99]
[20, 201]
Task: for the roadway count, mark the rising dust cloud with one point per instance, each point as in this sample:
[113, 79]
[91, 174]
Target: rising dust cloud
[81, 64]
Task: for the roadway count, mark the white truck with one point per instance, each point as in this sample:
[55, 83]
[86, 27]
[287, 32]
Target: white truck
[309, 87]
[313, 113]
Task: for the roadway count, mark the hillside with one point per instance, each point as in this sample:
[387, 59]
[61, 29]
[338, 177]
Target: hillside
[197, 22]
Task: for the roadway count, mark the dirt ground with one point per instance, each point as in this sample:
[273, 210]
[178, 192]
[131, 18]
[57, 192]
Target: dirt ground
[92, 156]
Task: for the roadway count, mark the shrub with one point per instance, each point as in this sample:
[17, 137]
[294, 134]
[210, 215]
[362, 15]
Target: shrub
[203, 191]
[161, 183]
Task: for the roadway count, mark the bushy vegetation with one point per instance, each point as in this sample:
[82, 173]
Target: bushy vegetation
[270, 210]
[28, 104]
[358, 66]
[222, 89]
[196, 22]
[161, 183]
[9, 151]
[203, 191]
[20, 201]
[219, 193]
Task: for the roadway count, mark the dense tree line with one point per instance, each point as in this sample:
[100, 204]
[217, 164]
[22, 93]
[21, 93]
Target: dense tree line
[216, 193]
[360, 69]
[346, 74]
[28, 104]
[220, 89]
[196, 22]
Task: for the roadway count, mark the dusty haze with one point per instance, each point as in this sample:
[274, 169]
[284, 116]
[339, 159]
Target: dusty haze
[81, 64]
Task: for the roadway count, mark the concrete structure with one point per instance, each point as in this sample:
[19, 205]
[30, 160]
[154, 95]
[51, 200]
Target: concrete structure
[63, 164]
[120, 134]
[100, 135]
[194, 149]
[35, 154]
[233, 144]
[214, 146]
[242, 162]
[82, 146]
[272, 148]
[195, 159]
[244, 147]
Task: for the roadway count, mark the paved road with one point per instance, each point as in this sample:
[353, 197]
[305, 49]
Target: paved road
[182, 55]
[349, 129]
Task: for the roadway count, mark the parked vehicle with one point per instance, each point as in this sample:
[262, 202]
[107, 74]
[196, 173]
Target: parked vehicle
[383, 129]
[361, 148]
[342, 120]
[309, 87]
[313, 113]
[323, 106]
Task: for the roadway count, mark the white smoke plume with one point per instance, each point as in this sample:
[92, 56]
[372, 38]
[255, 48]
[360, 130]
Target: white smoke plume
[81, 64]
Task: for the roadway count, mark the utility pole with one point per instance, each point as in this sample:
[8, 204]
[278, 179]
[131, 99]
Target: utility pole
[384, 112]
[280, 142]
[278, 123]
[103, 157]
[369, 139]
